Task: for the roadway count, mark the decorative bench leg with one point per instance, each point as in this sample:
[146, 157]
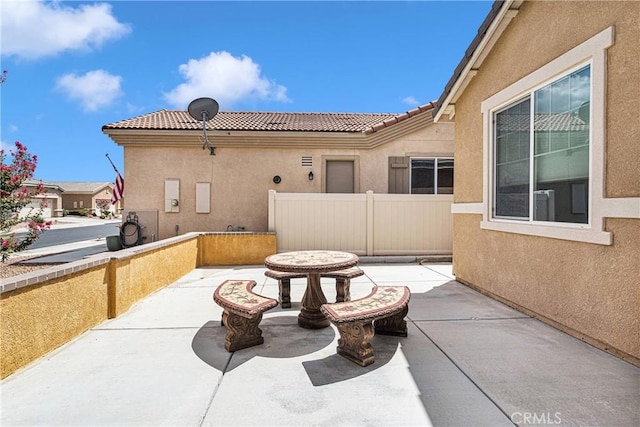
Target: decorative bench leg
[354, 342]
[343, 290]
[285, 292]
[241, 332]
[223, 320]
[393, 325]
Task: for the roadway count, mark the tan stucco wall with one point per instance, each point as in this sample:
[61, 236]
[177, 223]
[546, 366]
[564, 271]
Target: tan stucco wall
[241, 177]
[104, 194]
[88, 200]
[68, 199]
[40, 318]
[236, 249]
[54, 202]
[144, 273]
[589, 289]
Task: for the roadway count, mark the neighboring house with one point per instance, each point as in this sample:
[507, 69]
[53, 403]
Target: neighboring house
[94, 197]
[547, 200]
[172, 181]
[48, 202]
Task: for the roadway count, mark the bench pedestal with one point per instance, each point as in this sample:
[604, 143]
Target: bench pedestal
[343, 283]
[284, 287]
[241, 331]
[343, 289]
[393, 325]
[354, 342]
[242, 313]
[386, 308]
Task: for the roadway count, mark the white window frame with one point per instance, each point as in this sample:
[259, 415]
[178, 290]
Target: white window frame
[594, 53]
[529, 95]
[435, 171]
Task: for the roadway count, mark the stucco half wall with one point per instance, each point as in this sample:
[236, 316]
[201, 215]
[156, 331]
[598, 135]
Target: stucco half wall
[44, 309]
[589, 290]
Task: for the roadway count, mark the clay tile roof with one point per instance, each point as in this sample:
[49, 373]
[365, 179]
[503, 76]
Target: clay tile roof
[268, 121]
[255, 121]
[400, 117]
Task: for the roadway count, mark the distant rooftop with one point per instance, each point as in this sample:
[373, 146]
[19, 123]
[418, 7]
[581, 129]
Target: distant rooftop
[80, 187]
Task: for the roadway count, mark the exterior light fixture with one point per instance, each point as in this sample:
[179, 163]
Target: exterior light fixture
[311, 176]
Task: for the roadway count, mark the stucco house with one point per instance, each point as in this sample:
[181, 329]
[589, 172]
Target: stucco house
[547, 200]
[175, 186]
[94, 197]
[48, 203]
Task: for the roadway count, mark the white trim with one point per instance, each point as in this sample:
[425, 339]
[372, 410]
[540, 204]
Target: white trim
[594, 47]
[500, 22]
[628, 207]
[594, 52]
[568, 233]
[467, 208]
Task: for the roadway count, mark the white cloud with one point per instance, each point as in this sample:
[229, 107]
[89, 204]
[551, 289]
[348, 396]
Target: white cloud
[225, 78]
[8, 147]
[134, 110]
[410, 100]
[5, 145]
[94, 89]
[34, 29]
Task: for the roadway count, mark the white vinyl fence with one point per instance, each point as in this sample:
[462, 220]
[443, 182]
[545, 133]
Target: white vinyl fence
[364, 224]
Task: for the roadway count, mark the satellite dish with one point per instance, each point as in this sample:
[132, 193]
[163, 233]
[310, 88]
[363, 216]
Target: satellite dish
[204, 109]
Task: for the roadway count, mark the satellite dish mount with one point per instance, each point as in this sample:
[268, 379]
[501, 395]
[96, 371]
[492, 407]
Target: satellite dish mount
[204, 109]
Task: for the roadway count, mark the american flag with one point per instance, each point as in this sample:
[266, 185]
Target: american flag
[118, 190]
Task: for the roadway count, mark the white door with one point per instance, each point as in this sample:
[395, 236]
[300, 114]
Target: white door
[34, 207]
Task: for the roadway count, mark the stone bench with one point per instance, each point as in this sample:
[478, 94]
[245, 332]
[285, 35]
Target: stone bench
[343, 283]
[381, 312]
[242, 313]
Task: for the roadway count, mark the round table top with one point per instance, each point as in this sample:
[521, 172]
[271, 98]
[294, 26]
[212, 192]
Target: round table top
[311, 261]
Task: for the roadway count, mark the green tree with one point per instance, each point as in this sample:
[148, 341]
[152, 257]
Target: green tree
[14, 197]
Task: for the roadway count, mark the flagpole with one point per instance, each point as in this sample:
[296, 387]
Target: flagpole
[114, 166]
[118, 188]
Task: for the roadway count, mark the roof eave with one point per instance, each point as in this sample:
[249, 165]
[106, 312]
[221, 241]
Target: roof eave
[151, 137]
[410, 122]
[501, 14]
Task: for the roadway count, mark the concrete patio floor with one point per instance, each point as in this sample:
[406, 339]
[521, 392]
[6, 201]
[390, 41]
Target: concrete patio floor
[468, 361]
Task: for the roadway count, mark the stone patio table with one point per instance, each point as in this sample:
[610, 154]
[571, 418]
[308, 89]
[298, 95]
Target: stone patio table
[313, 264]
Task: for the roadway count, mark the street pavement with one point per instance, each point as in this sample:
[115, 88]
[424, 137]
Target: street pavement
[68, 252]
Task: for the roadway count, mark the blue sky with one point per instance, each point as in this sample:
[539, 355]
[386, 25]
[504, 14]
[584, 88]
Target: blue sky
[76, 66]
